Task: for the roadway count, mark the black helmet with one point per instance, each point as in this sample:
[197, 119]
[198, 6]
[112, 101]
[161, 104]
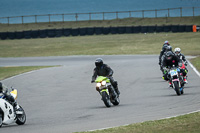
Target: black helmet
[99, 62]
[168, 48]
[1, 87]
[169, 55]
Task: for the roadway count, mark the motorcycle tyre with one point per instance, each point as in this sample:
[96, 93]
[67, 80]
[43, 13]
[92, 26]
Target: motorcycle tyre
[116, 101]
[18, 121]
[106, 99]
[177, 89]
[1, 120]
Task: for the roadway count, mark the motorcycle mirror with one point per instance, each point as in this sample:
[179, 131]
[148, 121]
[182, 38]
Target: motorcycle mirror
[12, 88]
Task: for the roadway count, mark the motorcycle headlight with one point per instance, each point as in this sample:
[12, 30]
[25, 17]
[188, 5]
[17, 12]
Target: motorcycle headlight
[103, 83]
[98, 84]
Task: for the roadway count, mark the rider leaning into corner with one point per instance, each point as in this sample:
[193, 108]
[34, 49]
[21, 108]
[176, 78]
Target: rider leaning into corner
[169, 61]
[6, 95]
[181, 56]
[102, 69]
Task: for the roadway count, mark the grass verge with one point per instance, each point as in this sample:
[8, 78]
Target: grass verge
[196, 62]
[182, 124]
[6, 72]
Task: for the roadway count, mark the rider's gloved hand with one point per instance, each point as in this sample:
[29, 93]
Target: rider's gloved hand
[165, 68]
[108, 76]
[92, 81]
[185, 63]
[180, 64]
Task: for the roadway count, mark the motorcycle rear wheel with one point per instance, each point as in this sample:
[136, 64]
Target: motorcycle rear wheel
[177, 89]
[21, 118]
[106, 99]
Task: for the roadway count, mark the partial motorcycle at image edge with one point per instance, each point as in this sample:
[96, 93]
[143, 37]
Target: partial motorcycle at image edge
[176, 78]
[107, 91]
[10, 114]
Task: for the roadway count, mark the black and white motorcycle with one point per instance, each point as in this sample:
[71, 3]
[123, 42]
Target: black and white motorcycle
[176, 79]
[9, 114]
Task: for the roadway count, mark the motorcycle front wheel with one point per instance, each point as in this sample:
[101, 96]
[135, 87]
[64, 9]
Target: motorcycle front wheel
[1, 121]
[21, 118]
[176, 88]
[106, 99]
[116, 101]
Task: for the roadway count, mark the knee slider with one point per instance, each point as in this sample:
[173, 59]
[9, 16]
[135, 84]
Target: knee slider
[115, 84]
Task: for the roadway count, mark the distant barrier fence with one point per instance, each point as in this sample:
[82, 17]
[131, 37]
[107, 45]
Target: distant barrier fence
[96, 31]
[170, 12]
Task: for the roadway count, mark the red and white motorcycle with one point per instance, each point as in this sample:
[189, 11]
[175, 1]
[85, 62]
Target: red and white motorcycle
[9, 114]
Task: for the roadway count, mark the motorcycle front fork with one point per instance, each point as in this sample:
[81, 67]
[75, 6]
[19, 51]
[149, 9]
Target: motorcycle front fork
[112, 92]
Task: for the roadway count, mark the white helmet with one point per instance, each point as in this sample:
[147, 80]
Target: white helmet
[177, 51]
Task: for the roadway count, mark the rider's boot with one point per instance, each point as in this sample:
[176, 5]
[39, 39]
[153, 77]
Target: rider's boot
[170, 84]
[15, 105]
[185, 80]
[115, 86]
[117, 90]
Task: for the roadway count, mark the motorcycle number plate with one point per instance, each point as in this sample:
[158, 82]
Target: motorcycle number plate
[172, 73]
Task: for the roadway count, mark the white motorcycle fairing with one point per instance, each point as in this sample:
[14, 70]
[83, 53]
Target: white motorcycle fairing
[8, 112]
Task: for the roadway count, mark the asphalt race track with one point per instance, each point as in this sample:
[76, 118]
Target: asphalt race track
[63, 100]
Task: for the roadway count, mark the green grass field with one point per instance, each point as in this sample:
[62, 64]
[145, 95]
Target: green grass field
[6, 72]
[196, 62]
[101, 45]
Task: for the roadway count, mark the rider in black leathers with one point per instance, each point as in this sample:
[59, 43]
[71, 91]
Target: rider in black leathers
[168, 62]
[102, 69]
[165, 45]
[168, 48]
[6, 95]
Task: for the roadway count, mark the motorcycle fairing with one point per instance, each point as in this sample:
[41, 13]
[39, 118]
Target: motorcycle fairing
[101, 78]
[7, 108]
[106, 90]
